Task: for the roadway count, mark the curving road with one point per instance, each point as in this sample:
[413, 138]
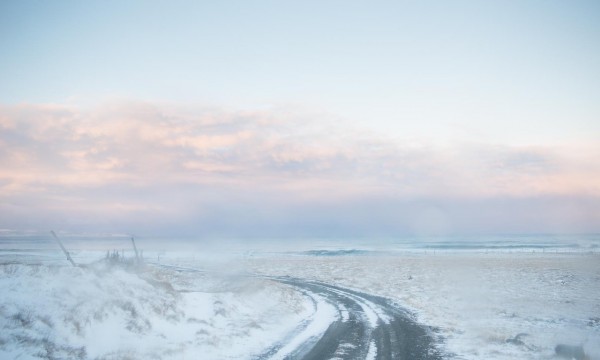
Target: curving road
[363, 326]
[348, 324]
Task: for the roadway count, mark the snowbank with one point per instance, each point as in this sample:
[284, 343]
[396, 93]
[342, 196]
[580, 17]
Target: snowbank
[107, 311]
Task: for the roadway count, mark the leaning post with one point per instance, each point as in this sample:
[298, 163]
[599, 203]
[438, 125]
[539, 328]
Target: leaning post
[137, 256]
[63, 248]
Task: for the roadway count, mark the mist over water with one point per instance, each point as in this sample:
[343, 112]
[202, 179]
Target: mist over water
[14, 242]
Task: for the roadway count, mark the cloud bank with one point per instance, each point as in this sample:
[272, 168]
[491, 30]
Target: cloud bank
[167, 169]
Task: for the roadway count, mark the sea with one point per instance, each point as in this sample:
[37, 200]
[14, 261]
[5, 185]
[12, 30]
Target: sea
[42, 246]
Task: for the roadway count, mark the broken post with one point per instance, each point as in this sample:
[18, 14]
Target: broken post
[63, 248]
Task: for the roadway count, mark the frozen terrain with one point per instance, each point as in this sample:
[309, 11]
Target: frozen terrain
[486, 306]
[304, 300]
[110, 312]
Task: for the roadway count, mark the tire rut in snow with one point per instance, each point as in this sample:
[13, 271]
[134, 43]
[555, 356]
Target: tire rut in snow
[395, 336]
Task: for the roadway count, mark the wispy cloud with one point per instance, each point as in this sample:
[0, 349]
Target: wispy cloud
[134, 164]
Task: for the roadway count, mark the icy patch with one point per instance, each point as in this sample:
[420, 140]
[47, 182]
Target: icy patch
[372, 353]
[343, 349]
[369, 309]
[344, 314]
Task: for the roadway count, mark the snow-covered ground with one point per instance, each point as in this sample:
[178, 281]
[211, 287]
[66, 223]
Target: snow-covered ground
[113, 312]
[499, 304]
[493, 305]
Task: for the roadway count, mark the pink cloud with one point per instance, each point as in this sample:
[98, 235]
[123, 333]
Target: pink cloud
[123, 158]
[53, 143]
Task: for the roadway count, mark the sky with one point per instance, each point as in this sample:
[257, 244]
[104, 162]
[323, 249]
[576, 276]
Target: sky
[300, 119]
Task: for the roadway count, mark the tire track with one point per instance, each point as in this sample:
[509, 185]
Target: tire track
[367, 327]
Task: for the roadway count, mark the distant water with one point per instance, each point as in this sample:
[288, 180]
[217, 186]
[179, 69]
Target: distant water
[43, 242]
[514, 243]
[506, 242]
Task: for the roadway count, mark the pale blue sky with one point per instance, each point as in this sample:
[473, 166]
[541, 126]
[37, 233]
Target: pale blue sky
[505, 71]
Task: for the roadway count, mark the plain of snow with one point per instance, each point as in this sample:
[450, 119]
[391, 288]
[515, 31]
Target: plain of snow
[494, 305]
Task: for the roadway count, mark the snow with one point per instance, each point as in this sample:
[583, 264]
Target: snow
[372, 353]
[368, 308]
[345, 316]
[104, 311]
[479, 301]
[221, 305]
[324, 314]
